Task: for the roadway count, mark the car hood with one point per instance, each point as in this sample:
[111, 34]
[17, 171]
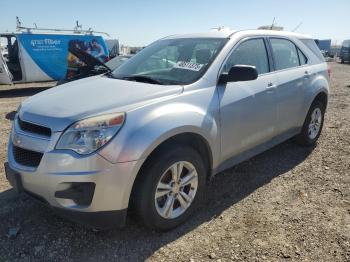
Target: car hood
[63, 105]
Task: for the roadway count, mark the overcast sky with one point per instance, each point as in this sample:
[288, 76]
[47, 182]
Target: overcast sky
[137, 22]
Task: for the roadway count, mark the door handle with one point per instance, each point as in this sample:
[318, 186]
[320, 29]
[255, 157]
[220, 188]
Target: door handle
[306, 74]
[270, 86]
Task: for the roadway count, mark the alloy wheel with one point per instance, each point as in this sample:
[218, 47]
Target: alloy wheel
[315, 123]
[176, 190]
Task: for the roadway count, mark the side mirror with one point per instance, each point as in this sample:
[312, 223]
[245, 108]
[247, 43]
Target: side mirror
[239, 73]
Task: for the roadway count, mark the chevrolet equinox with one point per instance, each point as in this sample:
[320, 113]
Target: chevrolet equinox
[150, 134]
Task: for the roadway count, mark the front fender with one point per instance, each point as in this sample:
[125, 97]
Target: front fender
[144, 131]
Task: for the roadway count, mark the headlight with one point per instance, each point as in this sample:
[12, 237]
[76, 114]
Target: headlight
[88, 135]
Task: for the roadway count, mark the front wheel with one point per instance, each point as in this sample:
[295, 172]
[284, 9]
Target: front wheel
[313, 124]
[170, 188]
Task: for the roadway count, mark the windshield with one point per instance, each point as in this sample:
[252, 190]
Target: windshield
[116, 62]
[171, 61]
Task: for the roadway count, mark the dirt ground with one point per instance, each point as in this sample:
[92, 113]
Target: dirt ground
[287, 204]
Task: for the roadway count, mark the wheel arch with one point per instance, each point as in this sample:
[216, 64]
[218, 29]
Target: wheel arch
[195, 140]
[322, 97]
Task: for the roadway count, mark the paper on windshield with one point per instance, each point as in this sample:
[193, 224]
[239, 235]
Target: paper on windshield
[188, 65]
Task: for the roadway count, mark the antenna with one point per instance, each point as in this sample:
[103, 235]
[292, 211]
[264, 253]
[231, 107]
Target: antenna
[297, 27]
[78, 28]
[18, 23]
[273, 23]
[220, 28]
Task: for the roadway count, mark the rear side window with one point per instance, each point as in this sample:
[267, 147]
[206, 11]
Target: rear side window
[285, 53]
[251, 52]
[311, 44]
[302, 57]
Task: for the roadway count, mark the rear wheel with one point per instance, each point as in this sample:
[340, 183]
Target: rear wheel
[312, 125]
[170, 188]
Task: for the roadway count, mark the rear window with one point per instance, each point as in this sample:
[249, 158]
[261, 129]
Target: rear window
[302, 57]
[311, 44]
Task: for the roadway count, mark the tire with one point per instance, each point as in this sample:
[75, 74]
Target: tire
[308, 135]
[148, 207]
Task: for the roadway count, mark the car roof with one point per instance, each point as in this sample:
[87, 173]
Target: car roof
[227, 33]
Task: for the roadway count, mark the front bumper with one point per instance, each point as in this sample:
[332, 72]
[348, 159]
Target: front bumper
[58, 171]
[98, 219]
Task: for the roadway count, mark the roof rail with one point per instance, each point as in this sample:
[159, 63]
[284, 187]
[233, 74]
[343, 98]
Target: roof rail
[78, 29]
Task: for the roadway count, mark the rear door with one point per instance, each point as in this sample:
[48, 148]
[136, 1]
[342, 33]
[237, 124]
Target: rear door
[292, 77]
[5, 75]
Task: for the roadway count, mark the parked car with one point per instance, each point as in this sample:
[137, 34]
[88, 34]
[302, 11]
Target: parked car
[345, 51]
[117, 61]
[150, 134]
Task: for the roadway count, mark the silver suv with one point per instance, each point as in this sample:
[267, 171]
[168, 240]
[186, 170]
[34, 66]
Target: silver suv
[150, 134]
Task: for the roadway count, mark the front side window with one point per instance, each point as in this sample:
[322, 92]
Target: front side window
[285, 53]
[251, 52]
[171, 61]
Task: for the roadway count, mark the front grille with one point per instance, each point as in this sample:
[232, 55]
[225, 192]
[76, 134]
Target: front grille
[26, 157]
[33, 128]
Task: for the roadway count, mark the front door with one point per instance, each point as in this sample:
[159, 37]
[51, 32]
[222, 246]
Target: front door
[248, 109]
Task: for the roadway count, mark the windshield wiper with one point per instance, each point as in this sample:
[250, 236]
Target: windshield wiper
[110, 74]
[142, 78]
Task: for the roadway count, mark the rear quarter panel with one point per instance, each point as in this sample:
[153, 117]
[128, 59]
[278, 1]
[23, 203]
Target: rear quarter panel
[319, 79]
[319, 82]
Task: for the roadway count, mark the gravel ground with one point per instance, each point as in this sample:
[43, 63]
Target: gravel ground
[289, 203]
